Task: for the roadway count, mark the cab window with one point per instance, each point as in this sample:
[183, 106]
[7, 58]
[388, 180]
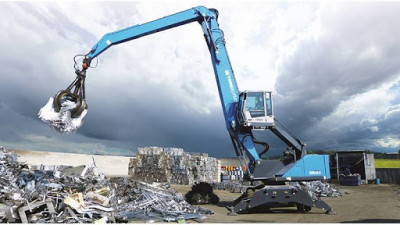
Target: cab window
[268, 103]
[255, 104]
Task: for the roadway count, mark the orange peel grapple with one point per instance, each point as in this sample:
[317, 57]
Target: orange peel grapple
[75, 92]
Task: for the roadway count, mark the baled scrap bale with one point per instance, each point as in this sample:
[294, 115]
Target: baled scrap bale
[205, 168]
[152, 164]
[132, 166]
[201, 193]
[173, 165]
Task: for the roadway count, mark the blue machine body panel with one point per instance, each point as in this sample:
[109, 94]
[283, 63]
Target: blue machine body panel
[308, 166]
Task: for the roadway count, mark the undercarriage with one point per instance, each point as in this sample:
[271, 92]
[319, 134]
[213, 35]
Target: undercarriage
[265, 197]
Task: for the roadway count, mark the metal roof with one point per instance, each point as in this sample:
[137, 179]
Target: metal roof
[351, 151]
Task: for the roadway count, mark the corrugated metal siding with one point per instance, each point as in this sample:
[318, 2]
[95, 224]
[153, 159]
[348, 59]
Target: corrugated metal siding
[388, 175]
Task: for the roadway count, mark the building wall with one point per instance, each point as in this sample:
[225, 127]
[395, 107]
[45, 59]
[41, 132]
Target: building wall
[229, 162]
[388, 175]
[111, 166]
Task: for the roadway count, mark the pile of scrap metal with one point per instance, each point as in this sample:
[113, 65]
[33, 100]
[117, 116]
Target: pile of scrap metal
[156, 202]
[231, 186]
[321, 189]
[201, 193]
[83, 195]
[173, 165]
[235, 186]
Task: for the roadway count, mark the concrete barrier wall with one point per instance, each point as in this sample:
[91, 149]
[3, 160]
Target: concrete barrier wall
[110, 165]
[229, 162]
[388, 175]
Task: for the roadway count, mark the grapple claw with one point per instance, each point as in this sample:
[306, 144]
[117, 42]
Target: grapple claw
[77, 97]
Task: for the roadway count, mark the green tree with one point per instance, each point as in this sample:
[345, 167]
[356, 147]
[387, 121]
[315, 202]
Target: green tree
[398, 155]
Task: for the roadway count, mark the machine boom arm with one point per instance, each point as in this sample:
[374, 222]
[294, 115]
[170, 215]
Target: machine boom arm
[137, 31]
[289, 139]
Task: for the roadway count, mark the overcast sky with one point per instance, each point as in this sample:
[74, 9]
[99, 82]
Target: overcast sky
[334, 69]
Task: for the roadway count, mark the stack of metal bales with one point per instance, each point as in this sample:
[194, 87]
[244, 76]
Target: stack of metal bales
[151, 164]
[173, 165]
[203, 168]
[178, 160]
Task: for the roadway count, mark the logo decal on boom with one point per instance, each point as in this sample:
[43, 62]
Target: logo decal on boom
[231, 85]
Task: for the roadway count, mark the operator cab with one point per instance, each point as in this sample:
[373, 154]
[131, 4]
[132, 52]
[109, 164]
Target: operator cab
[255, 109]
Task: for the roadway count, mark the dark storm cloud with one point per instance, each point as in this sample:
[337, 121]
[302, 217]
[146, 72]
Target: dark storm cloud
[155, 117]
[21, 132]
[356, 52]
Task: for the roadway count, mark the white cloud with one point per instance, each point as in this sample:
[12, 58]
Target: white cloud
[388, 142]
[393, 112]
[371, 111]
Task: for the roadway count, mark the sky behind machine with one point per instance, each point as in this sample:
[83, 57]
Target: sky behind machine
[292, 37]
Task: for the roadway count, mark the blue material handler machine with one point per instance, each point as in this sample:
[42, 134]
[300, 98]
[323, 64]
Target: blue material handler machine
[245, 112]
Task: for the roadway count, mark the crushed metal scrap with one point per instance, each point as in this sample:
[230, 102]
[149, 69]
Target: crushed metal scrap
[61, 121]
[235, 186]
[321, 189]
[83, 195]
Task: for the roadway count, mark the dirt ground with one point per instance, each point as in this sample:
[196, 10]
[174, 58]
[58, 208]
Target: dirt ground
[361, 204]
